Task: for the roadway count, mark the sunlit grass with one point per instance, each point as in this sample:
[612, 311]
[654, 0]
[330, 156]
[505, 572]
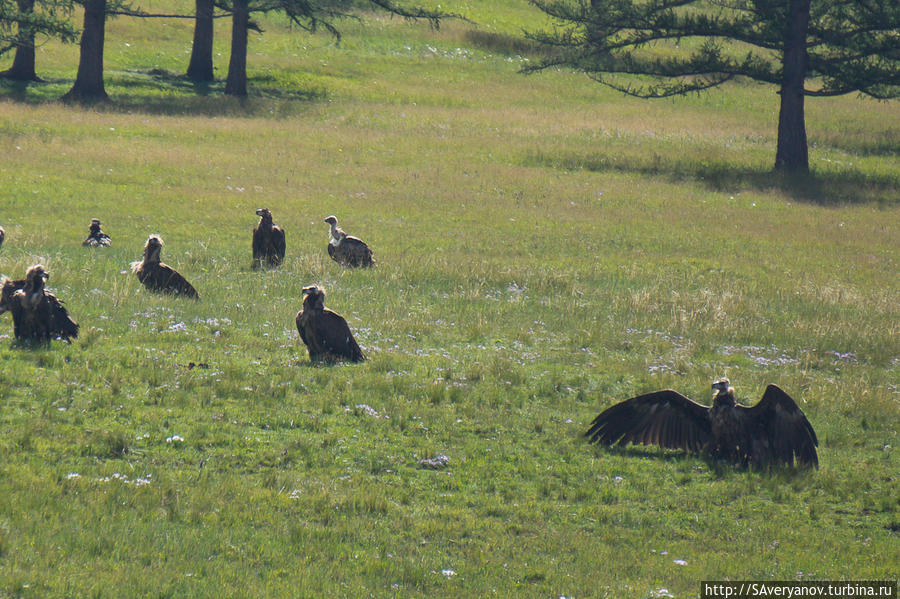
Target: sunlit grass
[544, 248]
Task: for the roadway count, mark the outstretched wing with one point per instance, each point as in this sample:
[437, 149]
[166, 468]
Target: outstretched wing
[779, 430]
[664, 418]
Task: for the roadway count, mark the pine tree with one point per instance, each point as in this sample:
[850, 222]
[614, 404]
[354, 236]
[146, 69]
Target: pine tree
[803, 47]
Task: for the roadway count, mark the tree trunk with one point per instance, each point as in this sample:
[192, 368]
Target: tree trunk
[201, 65]
[792, 156]
[22, 68]
[236, 84]
[88, 86]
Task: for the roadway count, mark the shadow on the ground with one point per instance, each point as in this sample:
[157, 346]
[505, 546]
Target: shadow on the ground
[832, 188]
[162, 92]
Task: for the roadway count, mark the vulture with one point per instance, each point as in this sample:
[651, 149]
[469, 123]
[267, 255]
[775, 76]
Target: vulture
[774, 431]
[8, 289]
[325, 333]
[347, 250]
[38, 315]
[96, 237]
[158, 276]
[268, 241]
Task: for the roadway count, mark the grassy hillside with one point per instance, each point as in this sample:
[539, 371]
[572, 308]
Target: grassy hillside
[545, 248]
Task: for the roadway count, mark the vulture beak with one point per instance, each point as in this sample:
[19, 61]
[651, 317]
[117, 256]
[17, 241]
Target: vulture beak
[259, 212]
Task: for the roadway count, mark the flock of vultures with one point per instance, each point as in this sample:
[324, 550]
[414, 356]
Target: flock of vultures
[772, 432]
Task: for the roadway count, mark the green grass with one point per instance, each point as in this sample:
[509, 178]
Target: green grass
[545, 248]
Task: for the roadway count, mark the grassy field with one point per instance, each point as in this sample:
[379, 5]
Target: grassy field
[545, 248]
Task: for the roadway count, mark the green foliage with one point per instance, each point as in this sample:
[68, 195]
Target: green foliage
[851, 46]
[544, 247]
[50, 18]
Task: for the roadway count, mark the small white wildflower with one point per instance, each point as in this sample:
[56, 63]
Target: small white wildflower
[679, 562]
[72, 475]
[174, 439]
[448, 572]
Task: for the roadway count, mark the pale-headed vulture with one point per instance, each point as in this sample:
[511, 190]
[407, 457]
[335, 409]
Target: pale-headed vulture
[347, 250]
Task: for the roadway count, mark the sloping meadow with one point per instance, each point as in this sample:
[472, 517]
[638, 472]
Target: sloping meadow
[544, 248]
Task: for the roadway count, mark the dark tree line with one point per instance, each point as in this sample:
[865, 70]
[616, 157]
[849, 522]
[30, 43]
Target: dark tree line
[19, 24]
[801, 47]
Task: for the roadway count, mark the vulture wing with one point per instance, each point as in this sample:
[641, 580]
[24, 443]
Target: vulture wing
[664, 418]
[302, 321]
[779, 430]
[335, 336]
[259, 244]
[278, 242]
[173, 282]
[357, 251]
[55, 318]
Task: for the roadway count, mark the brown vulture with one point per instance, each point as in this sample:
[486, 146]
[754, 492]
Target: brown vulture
[325, 333]
[268, 241]
[347, 250]
[96, 237]
[774, 431]
[158, 276]
[8, 288]
[38, 315]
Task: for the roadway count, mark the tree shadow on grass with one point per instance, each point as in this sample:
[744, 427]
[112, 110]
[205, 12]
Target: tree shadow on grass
[825, 188]
[161, 92]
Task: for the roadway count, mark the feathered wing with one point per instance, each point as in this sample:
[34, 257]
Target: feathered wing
[302, 321]
[358, 252]
[169, 280]
[334, 335]
[664, 418]
[278, 242]
[259, 244]
[55, 318]
[351, 251]
[779, 430]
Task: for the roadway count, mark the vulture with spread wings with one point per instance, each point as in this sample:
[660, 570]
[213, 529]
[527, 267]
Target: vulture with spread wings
[325, 333]
[774, 431]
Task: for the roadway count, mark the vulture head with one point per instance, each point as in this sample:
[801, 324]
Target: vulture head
[723, 392]
[313, 297]
[337, 235]
[95, 225]
[36, 275]
[34, 283]
[265, 214]
[152, 248]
